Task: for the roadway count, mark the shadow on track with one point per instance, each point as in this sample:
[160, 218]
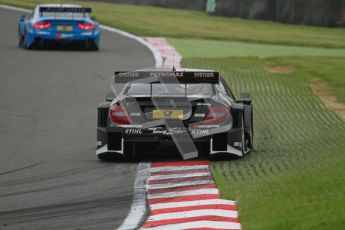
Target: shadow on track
[63, 46]
[166, 153]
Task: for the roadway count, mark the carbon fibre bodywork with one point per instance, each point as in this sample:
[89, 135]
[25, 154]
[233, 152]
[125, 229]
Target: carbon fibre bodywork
[212, 123]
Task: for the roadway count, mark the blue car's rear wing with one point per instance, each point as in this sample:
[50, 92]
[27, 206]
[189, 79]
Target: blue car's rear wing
[84, 10]
[183, 77]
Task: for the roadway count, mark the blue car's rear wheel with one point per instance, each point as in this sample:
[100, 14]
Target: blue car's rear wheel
[26, 44]
[20, 39]
[91, 45]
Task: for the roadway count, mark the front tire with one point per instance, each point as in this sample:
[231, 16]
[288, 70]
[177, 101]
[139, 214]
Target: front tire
[243, 141]
[248, 126]
[251, 133]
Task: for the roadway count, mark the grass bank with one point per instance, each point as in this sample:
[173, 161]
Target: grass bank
[214, 48]
[294, 177]
[304, 62]
[150, 21]
[330, 70]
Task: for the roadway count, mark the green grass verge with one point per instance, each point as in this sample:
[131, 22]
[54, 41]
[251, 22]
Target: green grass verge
[325, 64]
[150, 21]
[213, 48]
[329, 70]
[294, 179]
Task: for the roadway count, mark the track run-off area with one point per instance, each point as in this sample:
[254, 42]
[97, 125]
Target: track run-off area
[49, 175]
[183, 195]
[296, 170]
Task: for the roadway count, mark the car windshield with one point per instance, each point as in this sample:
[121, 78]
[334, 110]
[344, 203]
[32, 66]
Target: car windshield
[170, 89]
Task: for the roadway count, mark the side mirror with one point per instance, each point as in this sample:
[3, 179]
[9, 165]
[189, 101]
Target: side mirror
[245, 98]
[110, 97]
[93, 18]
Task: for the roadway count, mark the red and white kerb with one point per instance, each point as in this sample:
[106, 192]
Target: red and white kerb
[167, 51]
[183, 195]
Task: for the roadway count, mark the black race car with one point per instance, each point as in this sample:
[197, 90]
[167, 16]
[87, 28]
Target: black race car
[192, 109]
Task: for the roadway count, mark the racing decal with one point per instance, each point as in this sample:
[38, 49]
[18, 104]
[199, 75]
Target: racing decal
[204, 104]
[173, 77]
[133, 131]
[237, 144]
[135, 114]
[200, 131]
[202, 126]
[156, 131]
[183, 195]
[199, 115]
[167, 131]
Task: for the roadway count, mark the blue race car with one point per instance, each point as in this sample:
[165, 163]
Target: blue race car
[59, 23]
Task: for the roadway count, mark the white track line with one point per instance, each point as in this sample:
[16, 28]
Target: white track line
[15, 8]
[191, 203]
[158, 58]
[205, 191]
[199, 224]
[138, 208]
[180, 184]
[194, 213]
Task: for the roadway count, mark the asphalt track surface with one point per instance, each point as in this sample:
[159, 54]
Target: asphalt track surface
[49, 175]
